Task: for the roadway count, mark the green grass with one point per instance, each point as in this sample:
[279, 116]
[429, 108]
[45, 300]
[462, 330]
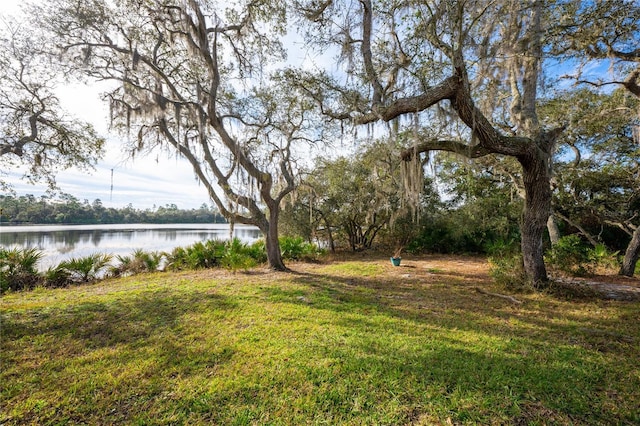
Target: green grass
[358, 342]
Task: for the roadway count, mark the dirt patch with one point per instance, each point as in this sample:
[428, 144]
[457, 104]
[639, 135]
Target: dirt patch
[469, 269]
[476, 269]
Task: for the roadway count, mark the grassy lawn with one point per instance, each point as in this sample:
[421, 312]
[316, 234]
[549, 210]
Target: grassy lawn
[354, 342]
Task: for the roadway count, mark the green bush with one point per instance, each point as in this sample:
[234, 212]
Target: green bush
[18, 269]
[570, 255]
[238, 255]
[258, 251]
[501, 247]
[57, 276]
[18, 266]
[508, 271]
[601, 256]
[139, 261]
[85, 269]
[296, 248]
[445, 235]
[197, 256]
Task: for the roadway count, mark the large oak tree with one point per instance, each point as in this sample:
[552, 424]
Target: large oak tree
[191, 77]
[477, 62]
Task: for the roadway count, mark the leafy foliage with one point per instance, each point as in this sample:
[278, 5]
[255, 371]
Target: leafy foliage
[87, 268]
[19, 271]
[138, 262]
[173, 64]
[57, 276]
[197, 256]
[572, 256]
[37, 138]
[67, 209]
[296, 248]
[237, 255]
[18, 268]
[350, 201]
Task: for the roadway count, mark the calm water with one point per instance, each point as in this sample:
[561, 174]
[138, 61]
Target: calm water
[59, 243]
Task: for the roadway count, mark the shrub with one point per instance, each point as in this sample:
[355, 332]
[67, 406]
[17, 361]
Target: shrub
[296, 248]
[238, 255]
[140, 261]
[508, 271]
[258, 251]
[57, 276]
[197, 256]
[85, 269]
[502, 248]
[601, 256]
[442, 235]
[18, 269]
[570, 255]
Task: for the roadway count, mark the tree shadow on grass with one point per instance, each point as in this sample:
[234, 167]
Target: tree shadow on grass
[537, 355]
[107, 323]
[114, 353]
[440, 301]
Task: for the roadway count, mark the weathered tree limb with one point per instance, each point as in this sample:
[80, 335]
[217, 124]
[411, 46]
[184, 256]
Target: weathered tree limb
[501, 296]
[588, 236]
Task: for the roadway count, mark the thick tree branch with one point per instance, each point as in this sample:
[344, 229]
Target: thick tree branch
[457, 147]
[367, 24]
[445, 90]
[582, 231]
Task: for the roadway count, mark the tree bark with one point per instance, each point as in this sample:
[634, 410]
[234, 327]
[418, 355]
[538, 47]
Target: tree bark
[332, 244]
[270, 231]
[552, 228]
[631, 255]
[537, 207]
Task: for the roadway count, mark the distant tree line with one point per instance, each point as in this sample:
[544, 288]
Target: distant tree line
[67, 209]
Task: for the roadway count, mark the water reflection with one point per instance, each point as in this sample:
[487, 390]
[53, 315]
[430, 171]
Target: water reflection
[63, 242]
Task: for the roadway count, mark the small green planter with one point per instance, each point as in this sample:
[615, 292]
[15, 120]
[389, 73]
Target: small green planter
[395, 261]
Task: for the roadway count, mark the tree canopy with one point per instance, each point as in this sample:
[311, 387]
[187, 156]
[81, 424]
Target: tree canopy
[192, 77]
[469, 76]
[208, 81]
[37, 137]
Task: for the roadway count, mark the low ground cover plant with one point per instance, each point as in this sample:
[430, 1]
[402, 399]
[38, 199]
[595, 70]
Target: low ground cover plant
[19, 267]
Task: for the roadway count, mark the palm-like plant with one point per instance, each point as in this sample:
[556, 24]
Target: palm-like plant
[18, 268]
[88, 268]
[138, 262]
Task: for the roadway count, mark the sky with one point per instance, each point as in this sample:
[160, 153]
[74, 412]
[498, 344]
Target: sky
[146, 181]
[143, 182]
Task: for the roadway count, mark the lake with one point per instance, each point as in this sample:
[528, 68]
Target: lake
[62, 242]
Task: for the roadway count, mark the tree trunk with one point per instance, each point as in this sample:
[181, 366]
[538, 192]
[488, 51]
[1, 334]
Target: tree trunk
[535, 214]
[332, 244]
[274, 254]
[631, 255]
[552, 228]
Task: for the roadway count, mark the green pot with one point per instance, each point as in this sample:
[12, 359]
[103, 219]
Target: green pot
[395, 261]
